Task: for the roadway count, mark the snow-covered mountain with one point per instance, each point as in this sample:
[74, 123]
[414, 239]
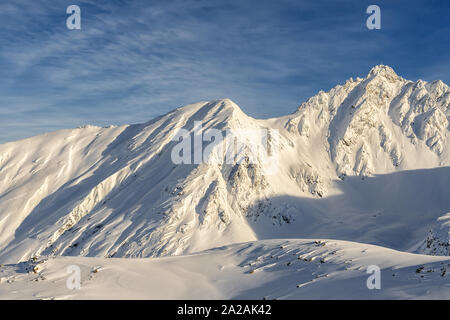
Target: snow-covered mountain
[368, 161]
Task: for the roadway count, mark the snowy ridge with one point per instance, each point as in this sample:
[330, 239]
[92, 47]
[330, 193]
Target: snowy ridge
[379, 123]
[266, 269]
[367, 162]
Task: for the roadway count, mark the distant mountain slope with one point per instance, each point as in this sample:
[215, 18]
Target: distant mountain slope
[368, 161]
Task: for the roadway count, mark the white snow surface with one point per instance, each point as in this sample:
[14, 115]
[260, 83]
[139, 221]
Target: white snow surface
[367, 162]
[265, 269]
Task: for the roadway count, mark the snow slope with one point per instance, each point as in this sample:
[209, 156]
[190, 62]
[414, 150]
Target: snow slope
[368, 162]
[267, 269]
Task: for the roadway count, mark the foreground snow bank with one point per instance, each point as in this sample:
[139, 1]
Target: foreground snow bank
[268, 269]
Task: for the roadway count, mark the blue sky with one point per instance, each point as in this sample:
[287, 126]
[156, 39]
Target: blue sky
[134, 60]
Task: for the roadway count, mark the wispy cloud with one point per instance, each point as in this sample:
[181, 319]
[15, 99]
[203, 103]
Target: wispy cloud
[134, 60]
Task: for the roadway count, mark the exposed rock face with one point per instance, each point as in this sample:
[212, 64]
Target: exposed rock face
[372, 122]
[437, 242]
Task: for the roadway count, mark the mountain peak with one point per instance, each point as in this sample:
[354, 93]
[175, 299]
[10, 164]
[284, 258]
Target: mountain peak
[216, 109]
[227, 104]
[213, 105]
[382, 70]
